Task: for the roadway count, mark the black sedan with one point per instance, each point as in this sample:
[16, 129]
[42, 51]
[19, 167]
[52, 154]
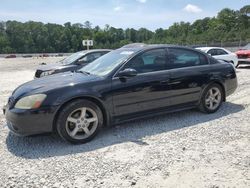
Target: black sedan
[125, 84]
[71, 63]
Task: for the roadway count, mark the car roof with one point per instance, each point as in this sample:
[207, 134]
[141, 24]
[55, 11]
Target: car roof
[209, 48]
[140, 46]
[95, 50]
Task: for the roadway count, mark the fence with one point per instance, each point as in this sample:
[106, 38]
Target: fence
[35, 55]
[232, 46]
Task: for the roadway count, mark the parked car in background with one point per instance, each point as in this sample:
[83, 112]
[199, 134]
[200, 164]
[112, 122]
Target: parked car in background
[221, 53]
[10, 56]
[71, 63]
[244, 55]
[125, 84]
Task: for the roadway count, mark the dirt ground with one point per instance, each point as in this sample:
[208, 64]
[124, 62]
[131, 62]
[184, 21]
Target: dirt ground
[184, 149]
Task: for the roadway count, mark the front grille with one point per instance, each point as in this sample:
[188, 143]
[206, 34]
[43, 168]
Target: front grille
[11, 102]
[38, 73]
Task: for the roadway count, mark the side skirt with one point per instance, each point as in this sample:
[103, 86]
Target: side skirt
[151, 113]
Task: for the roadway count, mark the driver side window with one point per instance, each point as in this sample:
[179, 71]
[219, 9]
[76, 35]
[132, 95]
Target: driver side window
[89, 58]
[150, 61]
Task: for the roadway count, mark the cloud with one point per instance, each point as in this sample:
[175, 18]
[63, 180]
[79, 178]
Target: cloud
[118, 8]
[142, 1]
[192, 8]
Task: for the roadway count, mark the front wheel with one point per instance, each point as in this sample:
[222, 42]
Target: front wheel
[79, 121]
[211, 99]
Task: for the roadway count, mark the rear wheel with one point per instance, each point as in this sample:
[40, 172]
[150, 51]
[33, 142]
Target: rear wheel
[79, 121]
[211, 99]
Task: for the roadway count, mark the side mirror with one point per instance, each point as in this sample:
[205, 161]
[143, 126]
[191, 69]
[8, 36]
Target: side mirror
[127, 73]
[80, 62]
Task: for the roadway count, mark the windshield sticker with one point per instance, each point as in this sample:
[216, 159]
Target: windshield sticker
[126, 52]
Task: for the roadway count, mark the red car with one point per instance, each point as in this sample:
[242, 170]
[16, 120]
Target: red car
[244, 55]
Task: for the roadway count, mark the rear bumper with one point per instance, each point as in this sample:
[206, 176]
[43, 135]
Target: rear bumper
[29, 122]
[231, 86]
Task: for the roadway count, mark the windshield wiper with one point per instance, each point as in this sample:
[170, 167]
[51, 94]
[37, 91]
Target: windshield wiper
[84, 72]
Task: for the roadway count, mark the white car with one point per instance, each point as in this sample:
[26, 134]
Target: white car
[221, 53]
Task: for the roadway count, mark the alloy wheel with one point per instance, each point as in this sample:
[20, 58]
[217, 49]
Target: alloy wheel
[213, 98]
[81, 123]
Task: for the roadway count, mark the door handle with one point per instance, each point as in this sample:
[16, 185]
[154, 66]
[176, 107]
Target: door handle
[174, 83]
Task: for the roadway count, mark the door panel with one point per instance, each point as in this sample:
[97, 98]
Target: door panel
[141, 93]
[147, 90]
[186, 84]
[189, 71]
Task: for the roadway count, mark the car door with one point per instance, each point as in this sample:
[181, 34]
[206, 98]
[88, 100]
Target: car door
[189, 71]
[147, 90]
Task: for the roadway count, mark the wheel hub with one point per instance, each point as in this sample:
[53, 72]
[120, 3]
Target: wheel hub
[82, 123]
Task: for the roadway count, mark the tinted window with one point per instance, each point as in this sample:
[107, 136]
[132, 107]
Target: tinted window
[221, 52]
[212, 52]
[72, 58]
[150, 61]
[178, 58]
[90, 57]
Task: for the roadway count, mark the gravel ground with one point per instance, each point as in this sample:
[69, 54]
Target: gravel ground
[184, 149]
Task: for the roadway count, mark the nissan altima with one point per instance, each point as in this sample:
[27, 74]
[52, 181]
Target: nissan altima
[126, 84]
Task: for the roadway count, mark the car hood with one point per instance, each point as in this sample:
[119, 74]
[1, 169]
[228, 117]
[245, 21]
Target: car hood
[54, 66]
[52, 82]
[243, 52]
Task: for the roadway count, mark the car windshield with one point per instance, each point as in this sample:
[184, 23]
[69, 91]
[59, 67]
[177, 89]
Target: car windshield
[72, 58]
[247, 47]
[105, 64]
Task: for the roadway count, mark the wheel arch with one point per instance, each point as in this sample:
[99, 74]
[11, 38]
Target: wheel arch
[92, 99]
[215, 82]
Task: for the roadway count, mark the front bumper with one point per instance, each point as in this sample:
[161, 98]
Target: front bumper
[244, 61]
[29, 122]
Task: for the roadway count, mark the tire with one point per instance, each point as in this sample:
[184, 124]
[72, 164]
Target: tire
[79, 121]
[211, 103]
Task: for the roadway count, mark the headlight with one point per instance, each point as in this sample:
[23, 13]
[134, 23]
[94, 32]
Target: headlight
[46, 73]
[30, 102]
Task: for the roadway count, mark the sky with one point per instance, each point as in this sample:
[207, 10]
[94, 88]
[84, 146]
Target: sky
[151, 14]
